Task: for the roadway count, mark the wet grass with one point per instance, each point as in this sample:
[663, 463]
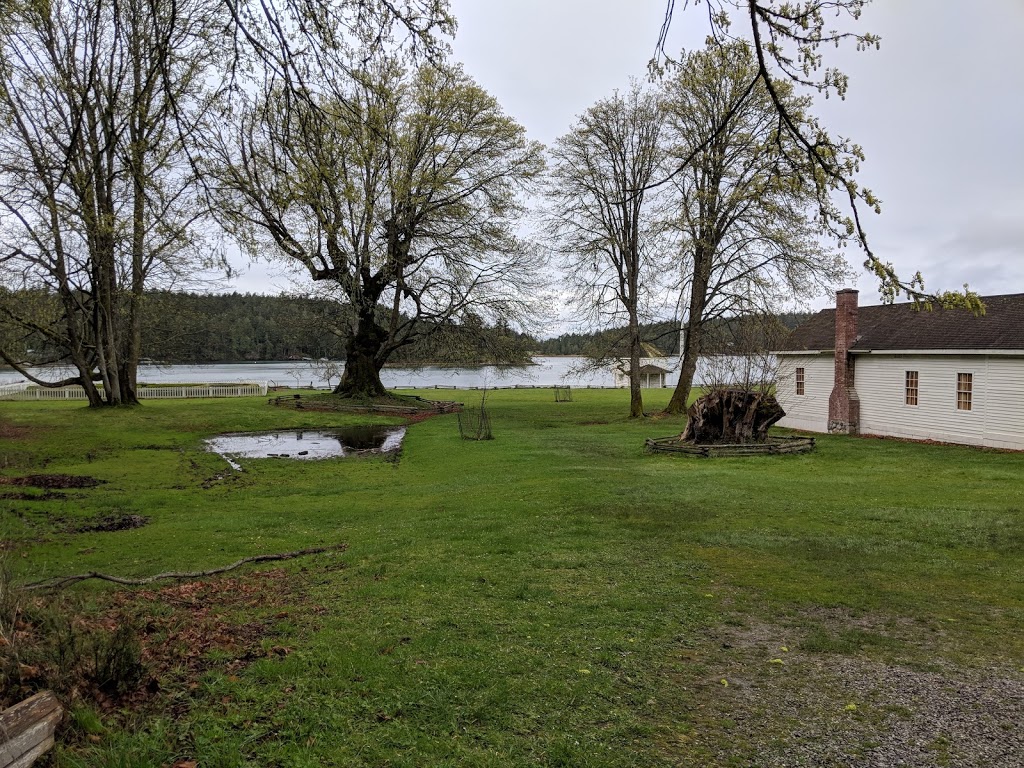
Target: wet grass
[545, 598]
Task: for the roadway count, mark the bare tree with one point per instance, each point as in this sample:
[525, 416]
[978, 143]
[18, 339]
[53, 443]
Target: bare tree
[787, 39]
[605, 232]
[398, 188]
[746, 202]
[92, 181]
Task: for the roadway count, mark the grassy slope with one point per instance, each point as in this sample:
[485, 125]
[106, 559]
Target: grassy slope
[545, 598]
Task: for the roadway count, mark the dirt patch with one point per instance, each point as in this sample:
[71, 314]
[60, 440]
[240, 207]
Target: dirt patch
[178, 647]
[52, 481]
[10, 431]
[406, 405]
[760, 698]
[22, 496]
[168, 639]
[112, 523]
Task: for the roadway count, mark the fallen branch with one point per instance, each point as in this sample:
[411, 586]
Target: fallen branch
[63, 581]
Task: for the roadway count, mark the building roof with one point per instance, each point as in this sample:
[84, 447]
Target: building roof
[890, 327]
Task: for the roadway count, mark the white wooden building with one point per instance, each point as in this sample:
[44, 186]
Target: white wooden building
[894, 370]
[654, 367]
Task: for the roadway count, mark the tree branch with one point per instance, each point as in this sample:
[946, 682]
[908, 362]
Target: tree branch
[62, 581]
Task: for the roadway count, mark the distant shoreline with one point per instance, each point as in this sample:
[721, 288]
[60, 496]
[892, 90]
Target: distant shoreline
[309, 363]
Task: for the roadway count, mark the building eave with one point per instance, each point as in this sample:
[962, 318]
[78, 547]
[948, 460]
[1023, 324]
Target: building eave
[803, 352]
[947, 352]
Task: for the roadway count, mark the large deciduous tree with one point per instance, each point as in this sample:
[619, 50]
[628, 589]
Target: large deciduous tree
[748, 206]
[94, 187]
[399, 189]
[600, 213]
[787, 38]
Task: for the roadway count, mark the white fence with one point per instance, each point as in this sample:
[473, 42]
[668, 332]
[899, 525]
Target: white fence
[23, 391]
[12, 389]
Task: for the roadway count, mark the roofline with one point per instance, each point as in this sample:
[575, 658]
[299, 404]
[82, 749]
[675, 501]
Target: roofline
[990, 352]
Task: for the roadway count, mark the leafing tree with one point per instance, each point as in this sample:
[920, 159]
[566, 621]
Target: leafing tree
[397, 189]
[787, 39]
[600, 213]
[747, 204]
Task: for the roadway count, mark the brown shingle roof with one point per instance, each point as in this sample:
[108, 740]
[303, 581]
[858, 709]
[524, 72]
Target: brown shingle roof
[901, 326]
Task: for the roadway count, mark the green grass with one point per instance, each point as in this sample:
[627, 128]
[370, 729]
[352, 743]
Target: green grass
[545, 598]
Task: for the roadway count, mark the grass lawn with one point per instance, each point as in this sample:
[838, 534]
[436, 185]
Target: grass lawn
[551, 597]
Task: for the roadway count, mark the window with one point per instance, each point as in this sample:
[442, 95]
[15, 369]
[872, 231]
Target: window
[799, 381]
[911, 397]
[964, 385]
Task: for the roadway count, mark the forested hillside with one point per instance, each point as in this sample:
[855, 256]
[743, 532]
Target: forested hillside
[665, 336]
[203, 328]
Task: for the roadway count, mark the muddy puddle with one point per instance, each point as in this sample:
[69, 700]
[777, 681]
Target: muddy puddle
[336, 442]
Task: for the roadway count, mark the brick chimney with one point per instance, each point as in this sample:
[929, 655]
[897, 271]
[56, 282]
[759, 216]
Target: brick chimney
[843, 403]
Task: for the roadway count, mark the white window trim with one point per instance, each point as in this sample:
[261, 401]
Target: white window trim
[918, 389]
[956, 392]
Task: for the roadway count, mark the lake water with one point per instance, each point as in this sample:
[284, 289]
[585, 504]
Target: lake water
[546, 372]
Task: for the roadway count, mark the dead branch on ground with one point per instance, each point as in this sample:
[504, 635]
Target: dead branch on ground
[62, 581]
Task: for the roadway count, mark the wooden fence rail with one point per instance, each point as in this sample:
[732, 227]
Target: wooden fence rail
[26, 730]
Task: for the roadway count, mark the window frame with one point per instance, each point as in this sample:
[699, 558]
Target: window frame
[911, 388]
[965, 396]
[800, 376]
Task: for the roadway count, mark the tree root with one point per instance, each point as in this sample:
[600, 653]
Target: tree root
[62, 581]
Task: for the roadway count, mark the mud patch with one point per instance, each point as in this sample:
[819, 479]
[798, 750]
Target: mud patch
[22, 496]
[52, 481]
[10, 431]
[113, 523]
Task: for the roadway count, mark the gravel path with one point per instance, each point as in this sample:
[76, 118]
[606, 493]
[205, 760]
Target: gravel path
[786, 708]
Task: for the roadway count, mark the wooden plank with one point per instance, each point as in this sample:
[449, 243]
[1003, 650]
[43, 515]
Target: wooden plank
[39, 732]
[26, 729]
[19, 717]
[28, 758]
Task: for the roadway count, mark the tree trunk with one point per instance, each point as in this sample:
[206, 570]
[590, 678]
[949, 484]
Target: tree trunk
[362, 367]
[129, 369]
[636, 402]
[694, 329]
[691, 351]
[132, 330]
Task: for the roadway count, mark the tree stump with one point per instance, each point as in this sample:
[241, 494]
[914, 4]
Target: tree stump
[731, 416]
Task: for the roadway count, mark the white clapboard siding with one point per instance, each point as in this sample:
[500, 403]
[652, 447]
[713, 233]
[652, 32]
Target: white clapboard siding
[1004, 417]
[810, 410]
[996, 417]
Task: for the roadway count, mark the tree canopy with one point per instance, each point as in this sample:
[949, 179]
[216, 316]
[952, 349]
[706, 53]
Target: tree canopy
[788, 39]
[399, 192]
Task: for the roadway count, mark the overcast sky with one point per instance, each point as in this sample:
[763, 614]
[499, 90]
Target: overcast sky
[939, 111]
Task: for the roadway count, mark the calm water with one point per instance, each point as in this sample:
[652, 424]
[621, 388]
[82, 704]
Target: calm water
[546, 372]
[308, 443]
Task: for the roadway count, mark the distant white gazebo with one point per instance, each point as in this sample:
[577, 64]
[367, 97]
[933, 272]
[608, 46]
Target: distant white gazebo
[652, 369]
